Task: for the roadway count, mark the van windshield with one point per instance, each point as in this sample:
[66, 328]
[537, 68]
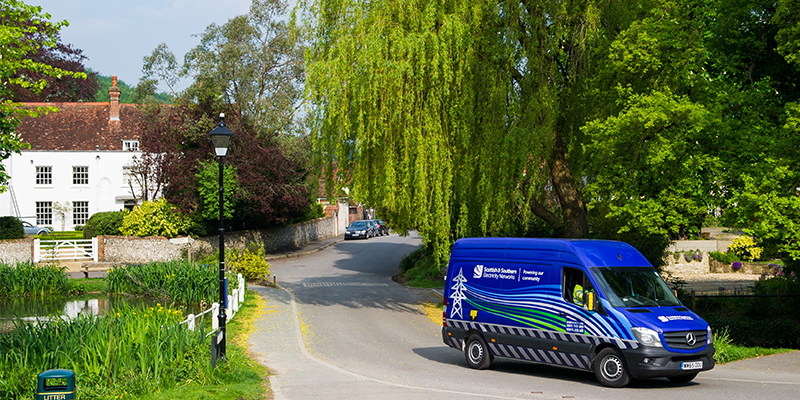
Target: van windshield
[634, 287]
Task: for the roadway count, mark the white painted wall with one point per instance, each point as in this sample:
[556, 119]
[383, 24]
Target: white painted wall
[107, 189]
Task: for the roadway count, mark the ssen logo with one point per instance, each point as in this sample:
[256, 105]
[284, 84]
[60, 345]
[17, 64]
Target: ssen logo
[478, 272]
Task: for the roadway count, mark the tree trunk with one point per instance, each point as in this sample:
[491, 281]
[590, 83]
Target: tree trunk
[568, 194]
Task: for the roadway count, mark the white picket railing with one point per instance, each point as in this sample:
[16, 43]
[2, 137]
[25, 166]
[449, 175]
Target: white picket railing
[51, 250]
[234, 301]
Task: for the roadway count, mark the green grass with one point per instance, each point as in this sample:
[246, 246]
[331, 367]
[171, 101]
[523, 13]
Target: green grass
[134, 353]
[239, 377]
[727, 352]
[91, 285]
[66, 235]
[182, 281]
[26, 279]
[421, 270]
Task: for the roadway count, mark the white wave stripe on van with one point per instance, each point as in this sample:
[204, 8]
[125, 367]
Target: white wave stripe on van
[542, 334]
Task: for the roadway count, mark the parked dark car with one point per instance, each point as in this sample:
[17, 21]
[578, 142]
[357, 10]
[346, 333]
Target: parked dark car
[31, 230]
[382, 227]
[359, 229]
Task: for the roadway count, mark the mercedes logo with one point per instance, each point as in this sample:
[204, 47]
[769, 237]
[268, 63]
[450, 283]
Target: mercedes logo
[690, 339]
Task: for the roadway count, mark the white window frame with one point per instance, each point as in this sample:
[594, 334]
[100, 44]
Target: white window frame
[80, 177]
[44, 213]
[80, 212]
[130, 145]
[44, 175]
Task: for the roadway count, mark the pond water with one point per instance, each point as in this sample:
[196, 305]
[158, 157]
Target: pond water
[33, 308]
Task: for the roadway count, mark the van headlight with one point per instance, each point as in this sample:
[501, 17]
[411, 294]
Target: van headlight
[710, 337]
[646, 337]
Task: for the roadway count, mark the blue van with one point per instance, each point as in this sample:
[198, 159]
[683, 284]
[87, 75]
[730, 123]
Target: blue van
[592, 305]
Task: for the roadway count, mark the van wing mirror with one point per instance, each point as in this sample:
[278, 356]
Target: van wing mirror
[590, 300]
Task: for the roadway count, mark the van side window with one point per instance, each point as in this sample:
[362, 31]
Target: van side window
[574, 285]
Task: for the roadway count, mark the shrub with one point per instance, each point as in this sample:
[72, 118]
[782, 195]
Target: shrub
[746, 248]
[726, 258]
[251, 264]
[103, 223]
[155, 218]
[11, 228]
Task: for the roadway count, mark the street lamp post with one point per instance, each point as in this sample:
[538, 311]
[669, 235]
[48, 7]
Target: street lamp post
[221, 137]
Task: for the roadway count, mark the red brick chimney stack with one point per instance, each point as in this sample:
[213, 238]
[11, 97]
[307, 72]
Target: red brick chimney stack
[113, 92]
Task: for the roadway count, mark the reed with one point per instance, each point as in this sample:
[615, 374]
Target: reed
[27, 279]
[131, 351]
[181, 281]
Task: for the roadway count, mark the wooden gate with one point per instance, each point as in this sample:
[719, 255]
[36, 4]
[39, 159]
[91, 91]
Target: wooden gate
[51, 250]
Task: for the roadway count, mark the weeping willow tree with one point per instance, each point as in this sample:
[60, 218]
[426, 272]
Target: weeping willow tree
[454, 117]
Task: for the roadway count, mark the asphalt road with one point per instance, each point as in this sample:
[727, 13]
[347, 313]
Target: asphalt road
[340, 328]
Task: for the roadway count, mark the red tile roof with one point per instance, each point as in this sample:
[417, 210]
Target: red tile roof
[80, 127]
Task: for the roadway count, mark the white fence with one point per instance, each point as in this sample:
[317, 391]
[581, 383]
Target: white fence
[234, 300]
[51, 250]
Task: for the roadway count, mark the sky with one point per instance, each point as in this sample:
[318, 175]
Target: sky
[116, 34]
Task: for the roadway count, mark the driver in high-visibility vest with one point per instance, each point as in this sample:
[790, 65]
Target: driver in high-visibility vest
[578, 295]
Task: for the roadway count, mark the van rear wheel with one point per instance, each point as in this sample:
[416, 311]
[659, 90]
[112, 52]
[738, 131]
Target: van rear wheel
[609, 368]
[477, 353]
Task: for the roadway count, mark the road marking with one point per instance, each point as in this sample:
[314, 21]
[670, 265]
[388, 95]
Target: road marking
[303, 349]
[321, 284]
[749, 381]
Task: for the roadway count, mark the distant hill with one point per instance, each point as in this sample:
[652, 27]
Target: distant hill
[126, 91]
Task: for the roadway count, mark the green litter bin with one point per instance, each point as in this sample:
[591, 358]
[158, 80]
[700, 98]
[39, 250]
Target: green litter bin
[55, 384]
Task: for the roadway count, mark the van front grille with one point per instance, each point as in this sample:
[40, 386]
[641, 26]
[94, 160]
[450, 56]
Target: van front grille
[686, 340]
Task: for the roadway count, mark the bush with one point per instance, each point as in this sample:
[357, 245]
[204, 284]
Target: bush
[104, 223]
[155, 218]
[251, 264]
[11, 228]
[726, 257]
[746, 248]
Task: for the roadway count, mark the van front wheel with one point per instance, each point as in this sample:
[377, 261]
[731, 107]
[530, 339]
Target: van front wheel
[610, 370]
[477, 353]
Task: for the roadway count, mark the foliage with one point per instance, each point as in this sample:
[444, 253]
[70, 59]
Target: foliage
[726, 257]
[104, 223]
[155, 218]
[271, 188]
[208, 188]
[745, 248]
[27, 279]
[768, 210]
[11, 228]
[454, 118]
[31, 55]
[727, 352]
[471, 118]
[130, 351]
[78, 84]
[422, 269]
[184, 282]
[250, 263]
[125, 90]
[254, 61]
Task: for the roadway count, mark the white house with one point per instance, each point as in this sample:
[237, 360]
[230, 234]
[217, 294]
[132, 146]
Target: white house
[78, 164]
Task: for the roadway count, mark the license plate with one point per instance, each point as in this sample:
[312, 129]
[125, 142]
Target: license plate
[692, 365]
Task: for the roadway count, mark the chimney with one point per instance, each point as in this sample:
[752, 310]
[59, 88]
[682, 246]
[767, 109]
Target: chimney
[113, 92]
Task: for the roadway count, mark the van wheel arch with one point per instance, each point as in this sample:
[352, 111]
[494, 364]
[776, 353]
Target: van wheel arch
[610, 367]
[476, 352]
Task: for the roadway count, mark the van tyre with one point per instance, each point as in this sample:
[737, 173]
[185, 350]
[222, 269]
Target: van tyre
[682, 378]
[609, 368]
[476, 353]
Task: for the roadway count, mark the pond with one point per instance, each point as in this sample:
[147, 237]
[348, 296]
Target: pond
[33, 308]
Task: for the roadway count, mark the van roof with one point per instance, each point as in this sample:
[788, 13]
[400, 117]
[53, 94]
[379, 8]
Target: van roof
[587, 252]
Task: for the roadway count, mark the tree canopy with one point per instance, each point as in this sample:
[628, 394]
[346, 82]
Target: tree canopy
[628, 119]
[31, 58]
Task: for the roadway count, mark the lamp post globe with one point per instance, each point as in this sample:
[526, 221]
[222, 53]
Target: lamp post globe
[221, 138]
